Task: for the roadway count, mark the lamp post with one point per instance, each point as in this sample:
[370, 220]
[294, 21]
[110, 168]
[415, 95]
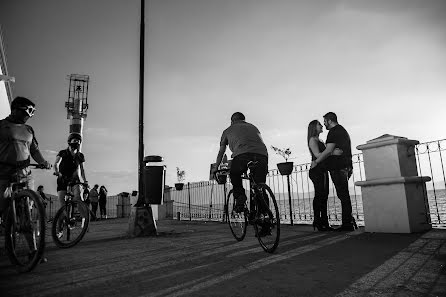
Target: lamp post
[141, 200]
[141, 217]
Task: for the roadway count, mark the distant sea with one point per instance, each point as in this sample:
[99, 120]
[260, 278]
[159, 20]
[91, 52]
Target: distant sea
[302, 207]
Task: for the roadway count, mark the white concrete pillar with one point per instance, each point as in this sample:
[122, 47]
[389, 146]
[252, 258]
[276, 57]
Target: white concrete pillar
[394, 196]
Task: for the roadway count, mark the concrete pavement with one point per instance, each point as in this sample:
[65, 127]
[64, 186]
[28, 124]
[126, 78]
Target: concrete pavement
[203, 259]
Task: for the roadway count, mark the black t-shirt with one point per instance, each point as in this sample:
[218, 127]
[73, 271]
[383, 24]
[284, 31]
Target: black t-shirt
[69, 163]
[339, 136]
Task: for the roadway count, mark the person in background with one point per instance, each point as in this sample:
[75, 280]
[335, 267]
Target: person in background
[94, 199]
[103, 202]
[86, 197]
[40, 191]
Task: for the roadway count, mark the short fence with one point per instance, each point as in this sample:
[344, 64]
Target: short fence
[206, 200]
[112, 207]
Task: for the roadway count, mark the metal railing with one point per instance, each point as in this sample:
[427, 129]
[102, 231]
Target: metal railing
[205, 200]
[429, 156]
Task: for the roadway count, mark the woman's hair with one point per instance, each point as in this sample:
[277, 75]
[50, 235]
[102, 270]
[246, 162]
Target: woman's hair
[312, 131]
[39, 188]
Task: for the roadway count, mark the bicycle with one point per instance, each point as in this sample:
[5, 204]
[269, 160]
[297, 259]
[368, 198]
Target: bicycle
[24, 224]
[266, 221]
[71, 221]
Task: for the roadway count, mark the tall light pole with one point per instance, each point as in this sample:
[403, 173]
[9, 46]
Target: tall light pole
[141, 220]
[141, 200]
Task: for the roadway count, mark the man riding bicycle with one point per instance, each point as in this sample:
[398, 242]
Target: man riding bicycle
[246, 144]
[69, 167]
[17, 144]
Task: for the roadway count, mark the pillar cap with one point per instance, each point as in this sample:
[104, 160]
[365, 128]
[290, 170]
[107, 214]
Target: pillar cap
[393, 180]
[153, 158]
[387, 139]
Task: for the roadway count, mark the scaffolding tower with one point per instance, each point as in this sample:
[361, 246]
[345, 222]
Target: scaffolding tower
[77, 104]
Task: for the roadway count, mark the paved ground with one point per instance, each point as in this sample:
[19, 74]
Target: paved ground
[203, 259]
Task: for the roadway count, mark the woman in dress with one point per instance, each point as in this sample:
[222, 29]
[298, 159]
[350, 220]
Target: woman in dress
[319, 177]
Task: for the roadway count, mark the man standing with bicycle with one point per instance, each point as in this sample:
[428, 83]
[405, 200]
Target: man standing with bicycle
[246, 144]
[17, 144]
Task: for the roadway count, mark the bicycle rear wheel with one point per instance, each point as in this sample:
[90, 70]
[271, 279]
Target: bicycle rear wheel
[237, 221]
[25, 231]
[70, 224]
[267, 222]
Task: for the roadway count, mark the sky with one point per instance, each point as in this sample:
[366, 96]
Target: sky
[379, 65]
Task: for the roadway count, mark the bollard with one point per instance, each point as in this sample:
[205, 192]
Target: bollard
[178, 215]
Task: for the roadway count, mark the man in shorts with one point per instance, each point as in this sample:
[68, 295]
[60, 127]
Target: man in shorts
[17, 144]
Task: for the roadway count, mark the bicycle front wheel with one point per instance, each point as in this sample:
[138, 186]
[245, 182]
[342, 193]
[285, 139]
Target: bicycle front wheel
[267, 222]
[237, 221]
[70, 224]
[25, 230]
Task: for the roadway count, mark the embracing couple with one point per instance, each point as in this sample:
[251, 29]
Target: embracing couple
[335, 156]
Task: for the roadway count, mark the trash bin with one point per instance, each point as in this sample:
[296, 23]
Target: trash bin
[154, 179]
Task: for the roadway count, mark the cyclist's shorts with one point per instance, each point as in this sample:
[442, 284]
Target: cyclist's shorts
[62, 183]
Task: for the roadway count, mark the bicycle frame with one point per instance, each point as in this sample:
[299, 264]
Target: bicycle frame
[29, 222]
[66, 218]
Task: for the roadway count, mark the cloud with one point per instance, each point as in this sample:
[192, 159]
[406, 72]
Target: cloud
[114, 174]
[49, 152]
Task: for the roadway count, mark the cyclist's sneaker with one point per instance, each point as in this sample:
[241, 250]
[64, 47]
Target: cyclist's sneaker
[59, 234]
[72, 224]
[240, 204]
[251, 217]
[31, 254]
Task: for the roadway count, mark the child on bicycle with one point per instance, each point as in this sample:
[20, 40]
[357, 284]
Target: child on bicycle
[69, 167]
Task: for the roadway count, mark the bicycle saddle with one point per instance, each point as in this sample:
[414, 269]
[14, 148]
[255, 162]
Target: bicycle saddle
[252, 164]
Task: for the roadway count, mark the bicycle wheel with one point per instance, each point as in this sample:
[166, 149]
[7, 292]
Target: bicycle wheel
[237, 221]
[267, 222]
[25, 231]
[70, 224]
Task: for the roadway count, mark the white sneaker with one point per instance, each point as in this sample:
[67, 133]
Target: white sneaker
[59, 234]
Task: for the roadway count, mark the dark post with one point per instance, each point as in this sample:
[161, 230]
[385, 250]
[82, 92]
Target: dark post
[289, 199]
[141, 200]
[225, 210]
[188, 194]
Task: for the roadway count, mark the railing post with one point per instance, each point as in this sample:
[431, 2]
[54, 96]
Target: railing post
[289, 199]
[210, 203]
[188, 194]
[225, 207]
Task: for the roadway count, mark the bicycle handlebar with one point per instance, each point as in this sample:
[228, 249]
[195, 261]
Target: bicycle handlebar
[71, 182]
[38, 166]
